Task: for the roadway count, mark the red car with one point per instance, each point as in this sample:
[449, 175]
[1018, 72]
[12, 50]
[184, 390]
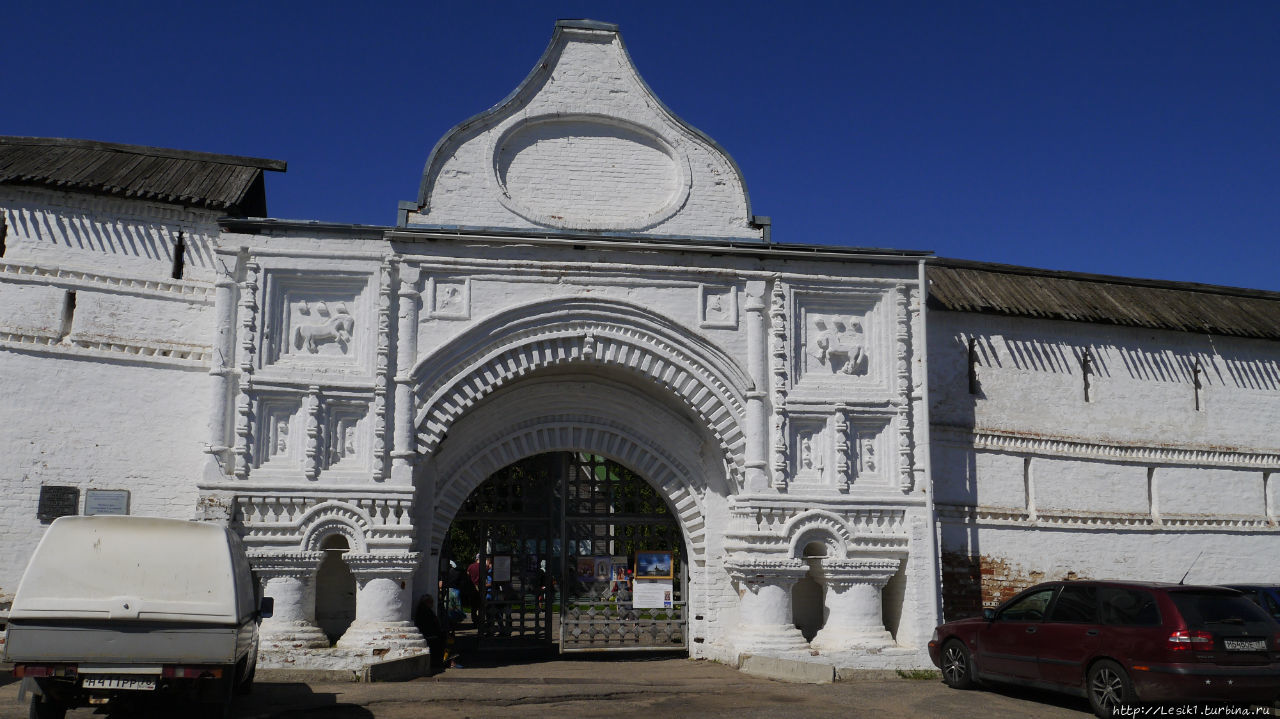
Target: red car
[1119, 644]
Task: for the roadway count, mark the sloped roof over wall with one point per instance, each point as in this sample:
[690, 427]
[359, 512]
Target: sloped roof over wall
[962, 286]
[195, 179]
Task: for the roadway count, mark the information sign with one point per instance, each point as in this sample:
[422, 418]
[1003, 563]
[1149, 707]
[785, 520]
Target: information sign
[106, 501]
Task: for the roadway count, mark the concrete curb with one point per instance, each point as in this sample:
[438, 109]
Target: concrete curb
[787, 670]
[392, 670]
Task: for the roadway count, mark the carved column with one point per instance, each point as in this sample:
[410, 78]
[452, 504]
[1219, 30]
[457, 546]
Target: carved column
[403, 454]
[757, 465]
[384, 615]
[290, 580]
[780, 353]
[765, 618]
[855, 613]
[222, 370]
[247, 339]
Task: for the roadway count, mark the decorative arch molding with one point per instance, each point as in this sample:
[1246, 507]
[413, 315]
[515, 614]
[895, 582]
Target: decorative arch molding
[568, 332]
[480, 458]
[819, 526]
[333, 517]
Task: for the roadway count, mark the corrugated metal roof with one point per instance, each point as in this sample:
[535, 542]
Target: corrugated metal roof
[196, 179]
[963, 286]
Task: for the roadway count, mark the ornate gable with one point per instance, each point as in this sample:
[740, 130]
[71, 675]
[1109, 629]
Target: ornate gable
[583, 145]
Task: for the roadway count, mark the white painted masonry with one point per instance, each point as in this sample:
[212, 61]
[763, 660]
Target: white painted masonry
[563, 283]
[1034, 482]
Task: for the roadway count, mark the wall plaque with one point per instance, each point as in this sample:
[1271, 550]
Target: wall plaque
[56, 501]
[106, 501]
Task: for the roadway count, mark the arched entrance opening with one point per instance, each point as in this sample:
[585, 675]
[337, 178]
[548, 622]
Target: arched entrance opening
[335, 589]
[807, 605]
[566, 550]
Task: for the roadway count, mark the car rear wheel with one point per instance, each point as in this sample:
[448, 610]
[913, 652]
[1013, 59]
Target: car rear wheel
[1109, 688]
[957, 665]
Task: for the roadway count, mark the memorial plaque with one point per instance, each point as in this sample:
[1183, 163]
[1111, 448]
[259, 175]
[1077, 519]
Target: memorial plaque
[56, 501]
[106, 501]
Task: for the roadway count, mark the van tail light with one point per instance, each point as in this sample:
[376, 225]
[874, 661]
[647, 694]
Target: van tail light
[21, 671]
[172, 671]
[1184, 640]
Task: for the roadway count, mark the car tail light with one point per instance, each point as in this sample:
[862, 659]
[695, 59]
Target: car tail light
[172, 671]
[21, 671]
[1184, 640]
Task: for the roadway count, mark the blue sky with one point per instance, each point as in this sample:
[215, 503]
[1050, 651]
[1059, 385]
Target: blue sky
[1130, 138]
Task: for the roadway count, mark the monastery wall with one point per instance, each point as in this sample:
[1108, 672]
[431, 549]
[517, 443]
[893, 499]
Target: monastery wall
[1065, 449]
[105, 358]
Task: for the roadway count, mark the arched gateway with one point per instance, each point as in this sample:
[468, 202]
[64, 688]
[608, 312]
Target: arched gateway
[580, 274]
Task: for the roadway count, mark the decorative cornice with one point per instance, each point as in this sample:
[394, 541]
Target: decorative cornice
[299, 565]
[79, 345]
[759, 569]
[841, 574]
[373, 566]
[1005, 516]
[1015, 443]
[190, 291]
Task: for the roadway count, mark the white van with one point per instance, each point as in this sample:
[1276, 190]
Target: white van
[116, 610]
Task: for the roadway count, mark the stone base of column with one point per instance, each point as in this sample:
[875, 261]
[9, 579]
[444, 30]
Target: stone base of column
[392, 637]
[769, 639]
[293, 635]
[833, 639]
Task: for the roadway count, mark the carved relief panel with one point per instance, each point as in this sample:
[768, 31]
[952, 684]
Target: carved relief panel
[278, 443]
[302, 433]
[812, 455]
[348, 433]
[871, 459]
[448, 298]
[318, 322]
[717, 307]
[844, 343]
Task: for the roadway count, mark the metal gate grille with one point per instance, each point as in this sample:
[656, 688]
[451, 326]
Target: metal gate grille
[552, 515]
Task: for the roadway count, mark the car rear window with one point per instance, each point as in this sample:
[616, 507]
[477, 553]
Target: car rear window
[1128, 607]
[1216, 609]
[1075, 604]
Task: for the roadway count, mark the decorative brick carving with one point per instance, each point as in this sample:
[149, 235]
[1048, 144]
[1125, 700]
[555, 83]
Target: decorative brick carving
[717, 307]
[779, 352]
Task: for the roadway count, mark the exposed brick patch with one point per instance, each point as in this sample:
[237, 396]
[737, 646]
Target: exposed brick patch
[971, 583]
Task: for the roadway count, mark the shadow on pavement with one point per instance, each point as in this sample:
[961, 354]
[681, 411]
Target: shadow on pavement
[1040, 696]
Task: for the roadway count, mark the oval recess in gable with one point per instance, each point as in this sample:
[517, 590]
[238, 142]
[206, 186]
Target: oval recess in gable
[589, 173]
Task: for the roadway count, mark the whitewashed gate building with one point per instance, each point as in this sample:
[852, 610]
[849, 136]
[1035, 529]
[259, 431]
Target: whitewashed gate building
[580, 272]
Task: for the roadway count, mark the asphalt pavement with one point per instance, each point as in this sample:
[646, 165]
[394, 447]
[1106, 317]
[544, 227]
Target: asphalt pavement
[617, 686]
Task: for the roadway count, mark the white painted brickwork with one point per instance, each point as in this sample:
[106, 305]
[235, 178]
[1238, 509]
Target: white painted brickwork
[1033, 482]
[354, 384]
[584, 145]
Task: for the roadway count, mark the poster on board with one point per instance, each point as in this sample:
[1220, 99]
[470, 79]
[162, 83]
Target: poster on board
[652, 594]
[653, 565]
[502, 568]
[586, 569]
[603, 565]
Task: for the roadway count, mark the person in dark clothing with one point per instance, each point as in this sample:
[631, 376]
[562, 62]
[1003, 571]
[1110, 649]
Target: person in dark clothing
[425, 619]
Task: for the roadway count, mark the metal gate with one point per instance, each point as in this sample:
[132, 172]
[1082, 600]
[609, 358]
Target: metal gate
[563, 531]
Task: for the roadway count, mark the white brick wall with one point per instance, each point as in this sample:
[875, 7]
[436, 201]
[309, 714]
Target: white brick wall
[1034, 482]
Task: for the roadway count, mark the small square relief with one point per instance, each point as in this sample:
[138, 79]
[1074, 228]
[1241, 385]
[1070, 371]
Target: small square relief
[718, 307]
[813, 459]
[280, 439]
[347, 442]
[449, 298]
[870, 464]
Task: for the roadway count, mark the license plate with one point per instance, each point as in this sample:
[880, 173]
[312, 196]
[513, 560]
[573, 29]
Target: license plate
[143, 684]
[1245, 645]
